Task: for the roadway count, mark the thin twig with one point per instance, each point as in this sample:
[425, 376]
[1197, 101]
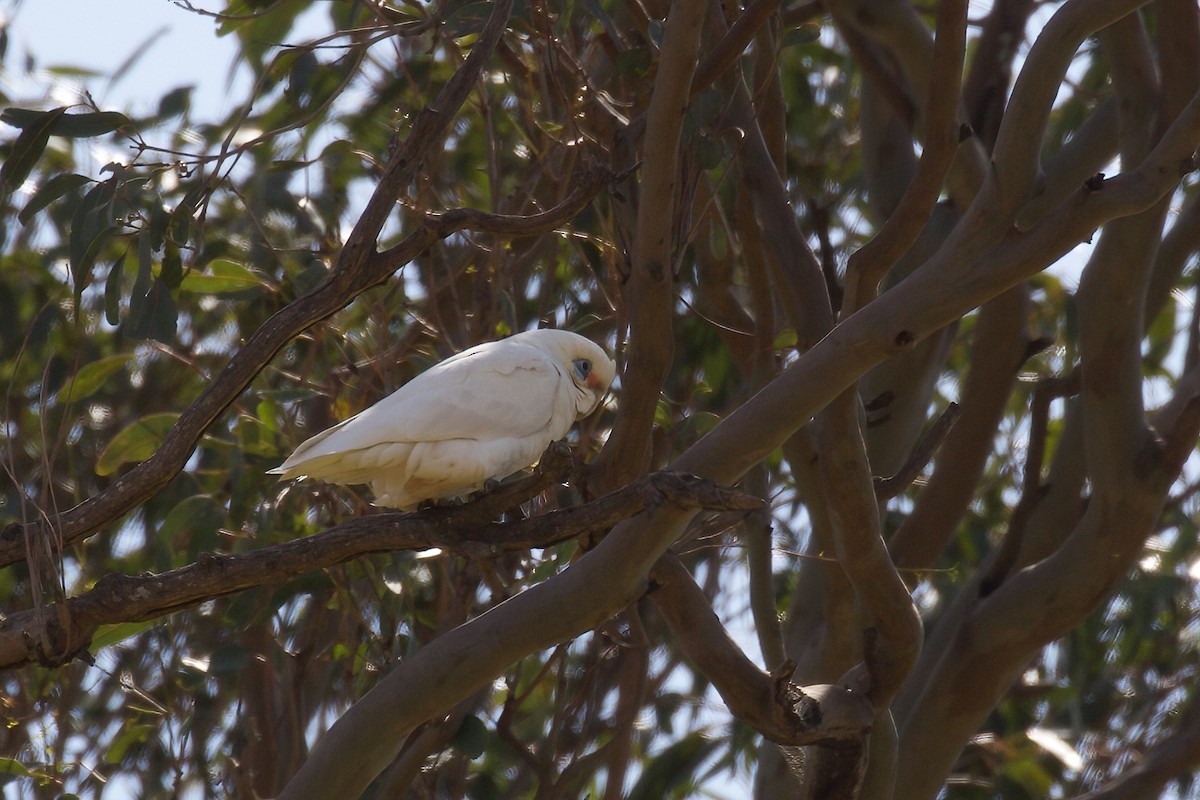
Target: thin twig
[926, 449]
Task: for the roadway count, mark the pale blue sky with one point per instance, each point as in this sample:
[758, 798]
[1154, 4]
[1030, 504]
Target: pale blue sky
[178, 48]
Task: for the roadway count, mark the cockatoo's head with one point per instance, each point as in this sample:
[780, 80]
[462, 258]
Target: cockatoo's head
[587, 365]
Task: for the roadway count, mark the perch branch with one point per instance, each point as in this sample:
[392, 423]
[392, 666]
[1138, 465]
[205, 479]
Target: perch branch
[63, 631]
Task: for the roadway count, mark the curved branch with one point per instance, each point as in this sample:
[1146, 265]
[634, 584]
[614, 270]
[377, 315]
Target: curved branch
[853, 508]
[734, 42]
[1015, 162]
[870, 263]
[763, 700]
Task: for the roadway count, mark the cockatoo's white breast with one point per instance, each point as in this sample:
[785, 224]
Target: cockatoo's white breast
[482, 414]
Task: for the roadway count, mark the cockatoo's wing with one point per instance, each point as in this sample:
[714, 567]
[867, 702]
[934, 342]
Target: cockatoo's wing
[488, 392]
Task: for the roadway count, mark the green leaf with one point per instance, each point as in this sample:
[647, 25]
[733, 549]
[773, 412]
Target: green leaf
[254, 438]
[221, 276]
[153, 315]
[471, 738]
[91, 377]
[28, 148]
[134, 734]
[112, 291]
[467, 19]
[108, 635]
[81, 265]
[91, 228]
[807, 33]
[786, 339]
[50, 191]
[10, 766]
[59, 123]
[190, 528]
[175, 102]
[300, 76]
[137, 442]
[664, 417]
[673, 769]
[171, 270]
[156, 230]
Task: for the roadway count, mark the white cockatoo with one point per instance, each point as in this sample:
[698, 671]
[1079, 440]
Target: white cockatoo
[477, 416]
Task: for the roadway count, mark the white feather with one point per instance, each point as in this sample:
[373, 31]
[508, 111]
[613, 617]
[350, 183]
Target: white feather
[482, 414]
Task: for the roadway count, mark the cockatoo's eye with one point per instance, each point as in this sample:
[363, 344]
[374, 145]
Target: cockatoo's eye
[582, 368]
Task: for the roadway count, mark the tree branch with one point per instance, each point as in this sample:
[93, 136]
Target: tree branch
[846, 477]
[872, 261]
[999, 348]
[62, 631]
[887, 488]
[649, 288]
[1015, 162]
[781, 711]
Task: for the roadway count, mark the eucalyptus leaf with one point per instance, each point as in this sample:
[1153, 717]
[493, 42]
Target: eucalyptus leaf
[136, 442]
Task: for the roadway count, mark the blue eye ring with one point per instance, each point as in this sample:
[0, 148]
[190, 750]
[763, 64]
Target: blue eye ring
[582, 367]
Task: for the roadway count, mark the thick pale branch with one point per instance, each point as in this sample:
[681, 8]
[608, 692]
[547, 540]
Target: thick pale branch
[928, 300]
[900, 31]
[999, 348]
[986, 86]
[800, 272]
[1084, 155]
[782, 712]
[1002, 629]
[1174, 252]
[1015, 162]
[1177, 36]
[850, 492]
[1113, 286]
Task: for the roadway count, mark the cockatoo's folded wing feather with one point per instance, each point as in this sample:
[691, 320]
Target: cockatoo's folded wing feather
[481, 394]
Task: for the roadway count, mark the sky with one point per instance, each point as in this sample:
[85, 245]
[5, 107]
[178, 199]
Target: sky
[173, 46]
